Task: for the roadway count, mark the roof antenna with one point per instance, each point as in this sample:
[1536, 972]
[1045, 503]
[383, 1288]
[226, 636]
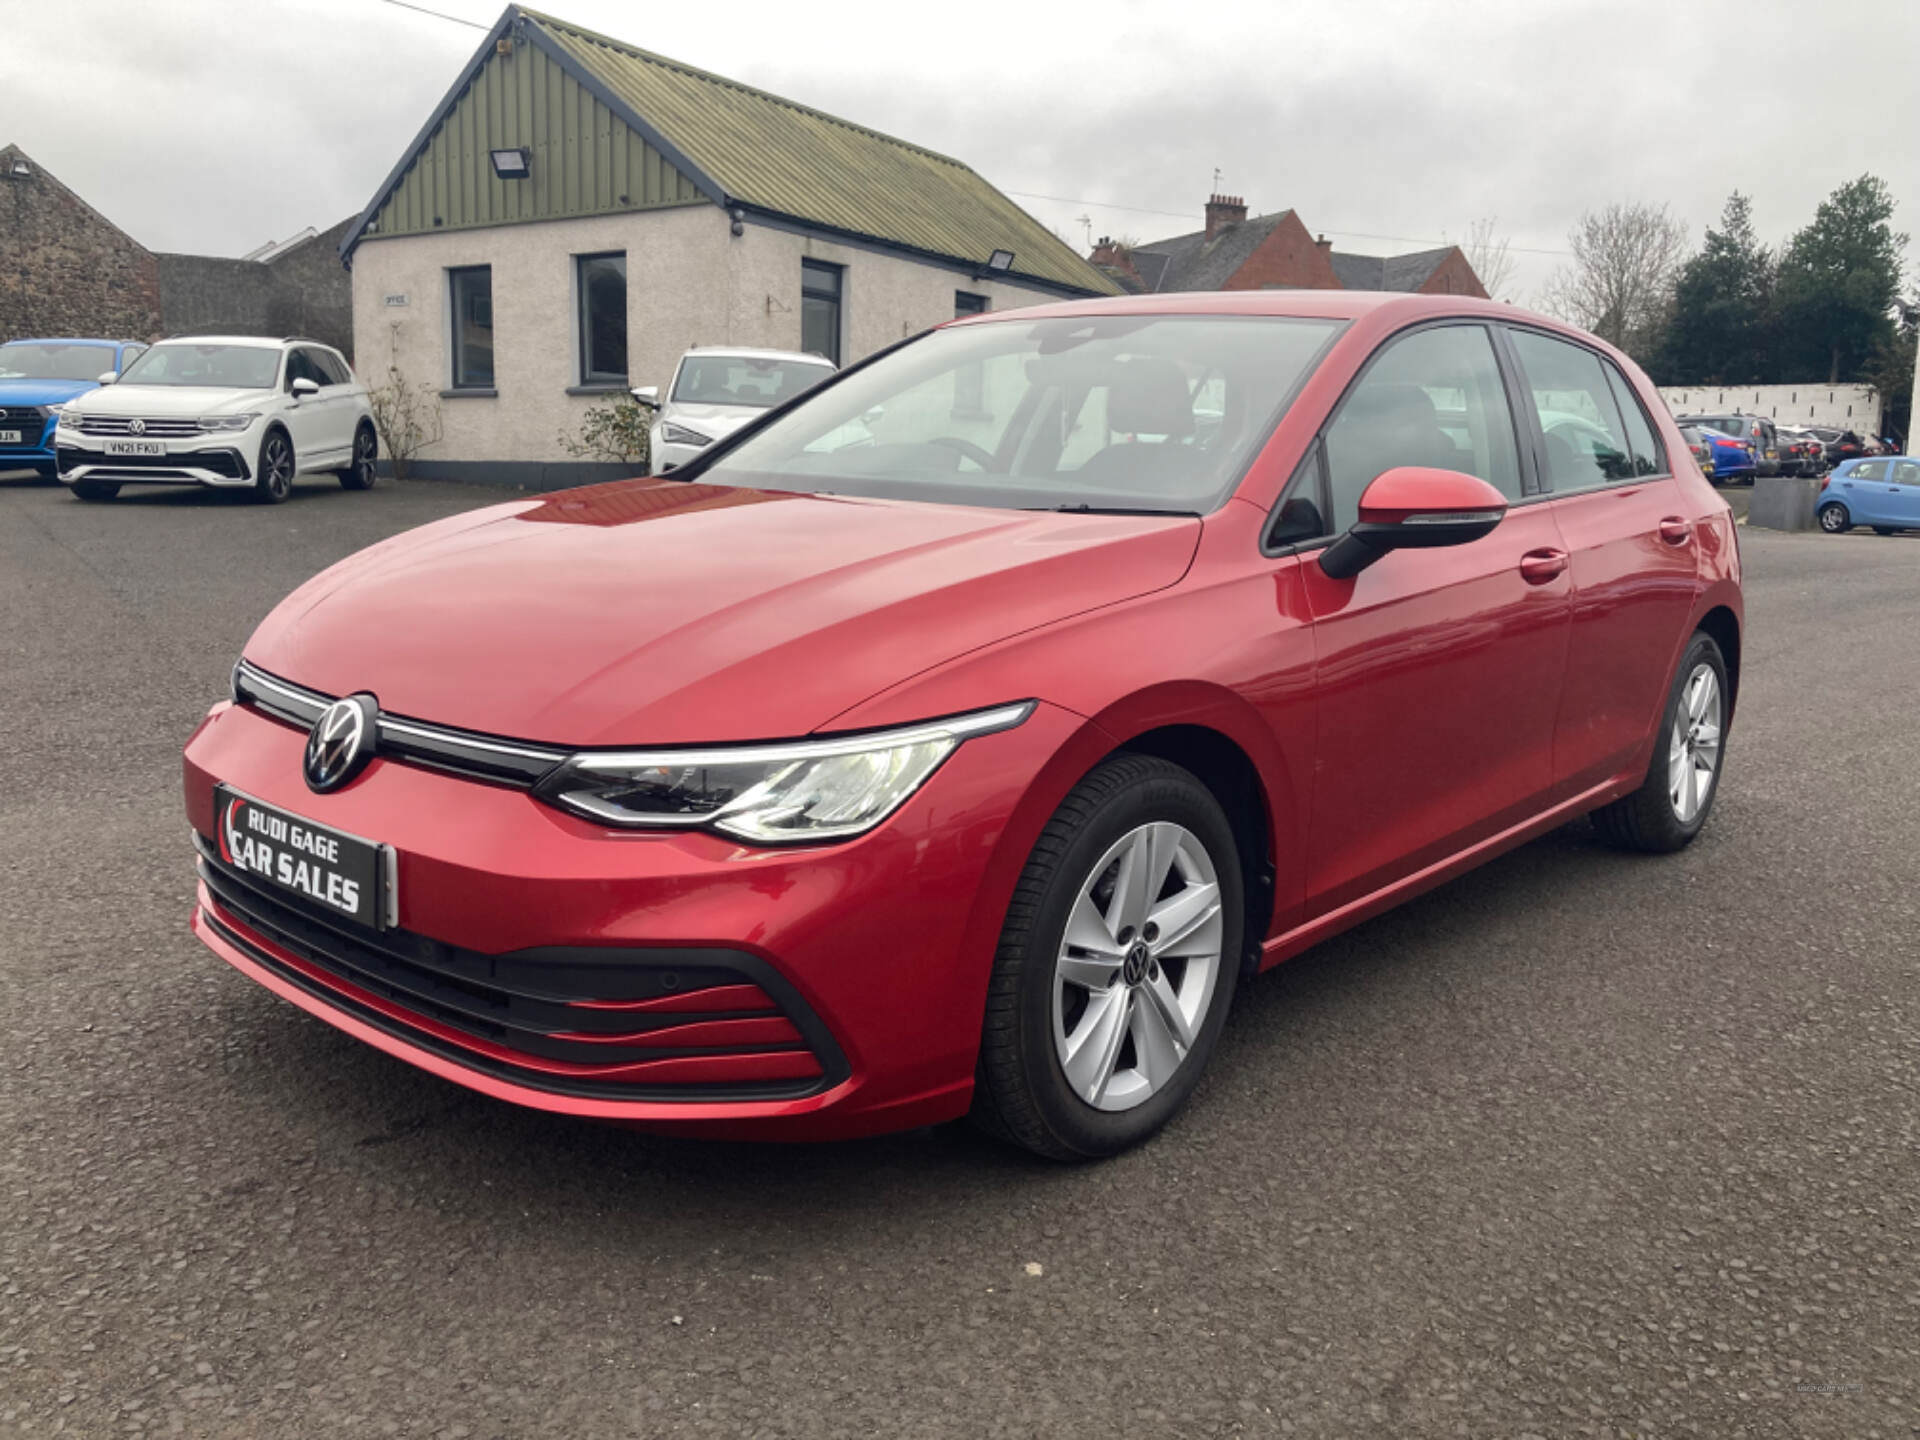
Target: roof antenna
[1086, 220]
[1216, 180]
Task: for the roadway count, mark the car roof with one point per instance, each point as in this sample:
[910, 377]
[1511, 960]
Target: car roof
[746, 352]
[262, 342]
[67, 340]
[1295, 304]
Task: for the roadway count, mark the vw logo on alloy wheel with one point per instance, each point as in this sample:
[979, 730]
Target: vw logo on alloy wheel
[341, 742]
[136, 427]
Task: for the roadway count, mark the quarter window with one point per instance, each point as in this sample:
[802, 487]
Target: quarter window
[1585, 437]
[1641, 442]
[820, 297]
[472, 292]
[1906, 472]
[601, 281]
[1433, 398]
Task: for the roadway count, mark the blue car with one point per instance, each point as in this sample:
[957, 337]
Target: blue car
[37, 377]
[1883, 492]
[1727, 458]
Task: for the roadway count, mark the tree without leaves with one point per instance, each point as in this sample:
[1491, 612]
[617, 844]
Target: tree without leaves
[1719, 329]
[1620, 284]
[1486, 252]
[1837, 284]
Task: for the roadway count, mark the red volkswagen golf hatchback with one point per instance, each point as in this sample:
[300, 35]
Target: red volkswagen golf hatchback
[958, 738]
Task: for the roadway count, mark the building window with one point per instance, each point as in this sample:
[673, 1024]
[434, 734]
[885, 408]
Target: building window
[820, 287]
[472, 290]
[969, 381]
[965, 302]
[601, 282]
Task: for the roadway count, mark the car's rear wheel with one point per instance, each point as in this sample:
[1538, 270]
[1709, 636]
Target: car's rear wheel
[1673, 802]
[1116, 966]
[95, 489]
[361, 474]
[274, 482]
[1834, 518]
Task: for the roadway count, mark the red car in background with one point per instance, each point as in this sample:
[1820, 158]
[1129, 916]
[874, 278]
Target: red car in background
[904, 758]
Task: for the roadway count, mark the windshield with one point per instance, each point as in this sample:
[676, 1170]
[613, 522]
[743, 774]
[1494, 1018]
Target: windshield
[753, 380]
[54, 362]
[233, 367]
[1132, 412]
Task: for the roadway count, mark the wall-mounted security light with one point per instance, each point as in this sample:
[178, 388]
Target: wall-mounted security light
[512, 164]
[999, 262]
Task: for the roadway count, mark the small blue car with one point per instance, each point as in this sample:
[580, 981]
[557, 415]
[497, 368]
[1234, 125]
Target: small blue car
[1883, 492]
[1732, 459]
[37, 377]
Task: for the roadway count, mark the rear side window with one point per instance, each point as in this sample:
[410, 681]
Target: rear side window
[1642, 445]
[1431, 398]
[1906, 472]
[1585, 436]
[1869, 470]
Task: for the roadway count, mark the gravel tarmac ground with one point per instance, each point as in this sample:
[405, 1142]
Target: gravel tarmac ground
[1582, 1144]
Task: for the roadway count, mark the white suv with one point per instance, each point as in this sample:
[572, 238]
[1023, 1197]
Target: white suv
[238, 412]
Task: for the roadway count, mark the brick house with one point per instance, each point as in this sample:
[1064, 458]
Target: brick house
[67, 270]
[1275, 252]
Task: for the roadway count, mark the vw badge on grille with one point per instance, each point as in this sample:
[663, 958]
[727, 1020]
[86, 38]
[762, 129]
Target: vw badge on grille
[341, 742]
[136, 427]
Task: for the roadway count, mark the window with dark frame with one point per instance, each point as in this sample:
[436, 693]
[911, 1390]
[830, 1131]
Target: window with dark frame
[601, 284]
[821, 287]
[472, 292]
[965, 302]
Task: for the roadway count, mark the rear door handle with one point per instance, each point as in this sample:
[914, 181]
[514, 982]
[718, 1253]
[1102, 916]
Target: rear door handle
[1675, 531]
[1537, 567]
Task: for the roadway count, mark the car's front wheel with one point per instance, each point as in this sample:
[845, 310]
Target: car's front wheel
[1672, 803]
[95, 489]
[1116, 966]
[1834, 518]
[360, 474]
[274, 482]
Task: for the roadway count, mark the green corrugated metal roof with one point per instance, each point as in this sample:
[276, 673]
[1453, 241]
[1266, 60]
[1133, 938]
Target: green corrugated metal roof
[775, 155]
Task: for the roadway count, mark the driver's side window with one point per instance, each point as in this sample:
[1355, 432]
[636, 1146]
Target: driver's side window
[1433, 398]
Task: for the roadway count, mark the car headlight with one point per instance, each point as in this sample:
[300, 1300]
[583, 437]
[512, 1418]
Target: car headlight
[227, 422]
[681, 435]
[46, 410]
[68, 420]
[810, 790]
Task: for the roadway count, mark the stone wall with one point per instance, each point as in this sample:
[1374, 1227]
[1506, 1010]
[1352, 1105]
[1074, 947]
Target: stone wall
[305, 291]
[65, 269]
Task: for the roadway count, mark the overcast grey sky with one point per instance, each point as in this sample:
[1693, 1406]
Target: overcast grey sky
[215, 125]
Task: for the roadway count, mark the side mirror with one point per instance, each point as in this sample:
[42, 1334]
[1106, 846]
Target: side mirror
[107, 377]
[1414, 508]
[648, 395]
[303, 387]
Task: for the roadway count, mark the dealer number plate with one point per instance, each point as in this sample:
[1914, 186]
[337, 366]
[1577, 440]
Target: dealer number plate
[336, 872]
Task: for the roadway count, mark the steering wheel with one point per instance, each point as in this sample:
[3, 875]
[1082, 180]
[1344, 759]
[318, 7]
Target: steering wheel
[980, 456]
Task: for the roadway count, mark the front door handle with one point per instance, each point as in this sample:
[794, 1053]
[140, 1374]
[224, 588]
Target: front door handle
[1537, 567]
[1675, 531]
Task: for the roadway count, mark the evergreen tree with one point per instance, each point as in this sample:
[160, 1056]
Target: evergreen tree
[1718, 333]
[1837, 283]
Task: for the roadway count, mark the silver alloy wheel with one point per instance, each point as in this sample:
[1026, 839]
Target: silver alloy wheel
[1138, 966]
[364, 450]
[276, 465]
[1693, 750]
[1833, 519]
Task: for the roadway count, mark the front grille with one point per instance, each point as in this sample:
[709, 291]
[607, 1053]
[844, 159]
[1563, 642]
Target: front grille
[151, 429]
[22, 417]
[439, 747]
[684, 1024]
[226, 463]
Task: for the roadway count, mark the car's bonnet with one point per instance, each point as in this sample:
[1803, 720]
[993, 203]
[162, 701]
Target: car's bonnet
[667, 613]
[32, 390]
[171, 400]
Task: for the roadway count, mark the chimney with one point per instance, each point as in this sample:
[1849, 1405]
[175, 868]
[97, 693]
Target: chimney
[1323, 245]
[1108, 251]
[1222, 211]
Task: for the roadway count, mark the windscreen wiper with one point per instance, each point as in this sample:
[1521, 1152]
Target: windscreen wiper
[1112, 510]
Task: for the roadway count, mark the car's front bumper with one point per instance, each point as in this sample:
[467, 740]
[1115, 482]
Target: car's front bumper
[220, 460]
[663, 457]
[861, 966]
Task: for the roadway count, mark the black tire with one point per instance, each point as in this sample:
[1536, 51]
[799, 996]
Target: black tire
[1834, 518]
[273, 476]
[1021, 1091]
[95, 490]
[363, 471]
[1647, 820]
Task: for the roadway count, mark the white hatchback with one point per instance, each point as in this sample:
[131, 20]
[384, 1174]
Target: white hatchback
[715, 391]
[235, 412]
